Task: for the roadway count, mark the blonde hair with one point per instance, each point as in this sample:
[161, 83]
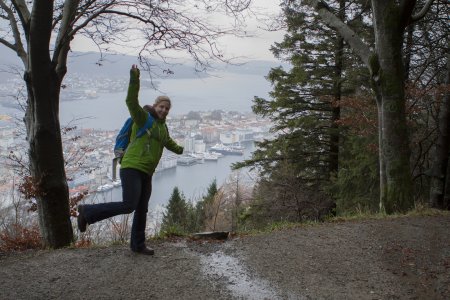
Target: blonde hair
[160, 99]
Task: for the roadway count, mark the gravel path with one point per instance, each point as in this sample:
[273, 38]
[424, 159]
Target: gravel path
[401, 258]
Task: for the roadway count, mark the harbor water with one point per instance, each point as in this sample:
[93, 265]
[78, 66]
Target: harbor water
[191, 180]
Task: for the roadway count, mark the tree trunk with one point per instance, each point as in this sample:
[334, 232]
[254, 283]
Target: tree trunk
[381, 164]
[441, 157]
[446, 200]
[43, 132]
[337, 89]
[389, 80]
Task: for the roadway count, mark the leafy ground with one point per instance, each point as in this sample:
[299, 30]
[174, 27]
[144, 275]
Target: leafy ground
[393, 258]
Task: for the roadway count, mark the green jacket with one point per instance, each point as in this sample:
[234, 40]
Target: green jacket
[144, 153]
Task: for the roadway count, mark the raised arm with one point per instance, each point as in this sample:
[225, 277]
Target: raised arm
[137, 113]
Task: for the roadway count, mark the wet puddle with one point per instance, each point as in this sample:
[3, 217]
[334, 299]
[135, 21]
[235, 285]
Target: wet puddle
[241, 284]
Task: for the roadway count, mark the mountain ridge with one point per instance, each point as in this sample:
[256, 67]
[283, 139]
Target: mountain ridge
[114, 65]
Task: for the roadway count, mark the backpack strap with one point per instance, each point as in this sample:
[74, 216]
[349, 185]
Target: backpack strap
[147, 126]
[123, 138]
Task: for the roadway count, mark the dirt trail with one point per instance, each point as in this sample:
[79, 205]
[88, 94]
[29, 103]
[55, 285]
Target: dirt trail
[401, 258]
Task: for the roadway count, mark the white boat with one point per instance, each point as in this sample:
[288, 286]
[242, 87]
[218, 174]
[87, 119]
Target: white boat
[210, 156]
[219, 155]
[226, 150]
[105, 187]
[186, 160]
[198, 156]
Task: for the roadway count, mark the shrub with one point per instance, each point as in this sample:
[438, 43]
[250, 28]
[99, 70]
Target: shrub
[20, 238]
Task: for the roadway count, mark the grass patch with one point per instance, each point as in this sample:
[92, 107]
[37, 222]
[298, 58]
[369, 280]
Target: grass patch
[170, 232]
[419, 210]
[276, 226]
[424, 210]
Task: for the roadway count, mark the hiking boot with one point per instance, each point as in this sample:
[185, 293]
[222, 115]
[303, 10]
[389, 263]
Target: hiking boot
[81, 219]
[145, 251]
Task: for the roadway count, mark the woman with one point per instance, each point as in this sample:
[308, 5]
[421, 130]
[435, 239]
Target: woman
[137, 167]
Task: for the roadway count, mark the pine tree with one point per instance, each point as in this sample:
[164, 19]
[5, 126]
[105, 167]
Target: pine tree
[306, 102]
[199, 214]
[175, 219]
[211, 192]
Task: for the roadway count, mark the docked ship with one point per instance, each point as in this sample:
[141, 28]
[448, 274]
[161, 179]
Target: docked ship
[206, 156]
[227, 150]
[211, 156]
[186, 160]
[105, 187]
[200, 157]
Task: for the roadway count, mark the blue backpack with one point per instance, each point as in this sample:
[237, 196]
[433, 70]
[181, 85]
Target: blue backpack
[123, 140]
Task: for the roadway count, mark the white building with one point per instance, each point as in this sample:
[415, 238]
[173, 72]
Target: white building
[229, 137]
[236, 136]
[188, 144]
[199, 146]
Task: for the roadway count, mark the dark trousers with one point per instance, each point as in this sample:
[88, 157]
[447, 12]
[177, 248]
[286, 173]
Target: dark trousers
[136, 191]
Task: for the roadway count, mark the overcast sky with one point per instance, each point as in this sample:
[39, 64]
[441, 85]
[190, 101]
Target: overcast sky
[250, 47]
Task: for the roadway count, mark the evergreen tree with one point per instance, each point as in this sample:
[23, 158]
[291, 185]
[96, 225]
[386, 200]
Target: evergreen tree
[193, 218]
[182, 216]
[175, 219]
[199, 214]
[211, 192]
[306, 101]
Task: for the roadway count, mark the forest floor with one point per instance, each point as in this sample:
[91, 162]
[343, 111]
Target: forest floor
[392, 258]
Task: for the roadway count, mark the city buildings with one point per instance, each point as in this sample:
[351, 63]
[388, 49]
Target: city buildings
[89, 152]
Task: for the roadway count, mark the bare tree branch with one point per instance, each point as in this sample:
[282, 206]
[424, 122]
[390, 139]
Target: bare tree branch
[8, 44]
[18, 46]
[89, 19]
[351, 37]
[422, 12]
[24, 14]
[62, 44]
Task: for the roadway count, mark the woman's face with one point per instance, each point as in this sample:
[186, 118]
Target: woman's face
[162, 109]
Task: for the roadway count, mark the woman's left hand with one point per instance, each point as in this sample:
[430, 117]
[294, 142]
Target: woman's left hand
[134, 73]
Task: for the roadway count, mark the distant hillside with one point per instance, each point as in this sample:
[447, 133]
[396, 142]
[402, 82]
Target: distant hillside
[117, 65]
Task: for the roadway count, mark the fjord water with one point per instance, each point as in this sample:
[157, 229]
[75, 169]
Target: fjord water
[228, 91]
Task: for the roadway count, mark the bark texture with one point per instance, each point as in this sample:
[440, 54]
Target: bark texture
[389, 80]
[43, 132]
[337, 89]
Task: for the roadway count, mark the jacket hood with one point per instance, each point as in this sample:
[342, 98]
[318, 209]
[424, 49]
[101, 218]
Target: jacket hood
[151, 110]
